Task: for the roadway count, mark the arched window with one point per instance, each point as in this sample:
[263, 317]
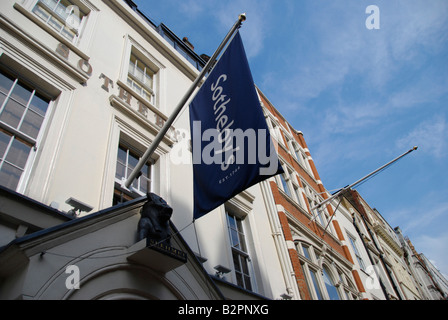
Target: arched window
[332, 291]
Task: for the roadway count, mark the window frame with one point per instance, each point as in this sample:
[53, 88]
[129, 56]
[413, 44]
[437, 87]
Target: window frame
[313, 198]
[284, 180]
[132, 47]
[83, 41]
[135, 81]
[240, 275]
[328, 274]
[132, 192]
[52, 13]
[314, 265]
[16, 133]
[355, 248]
[242, 256]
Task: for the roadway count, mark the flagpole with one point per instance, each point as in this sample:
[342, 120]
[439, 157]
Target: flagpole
[183, 101]
[358, 182]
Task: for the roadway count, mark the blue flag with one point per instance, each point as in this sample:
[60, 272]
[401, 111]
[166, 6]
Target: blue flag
[231, 144]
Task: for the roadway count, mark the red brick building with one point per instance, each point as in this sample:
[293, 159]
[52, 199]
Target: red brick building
[321, 260]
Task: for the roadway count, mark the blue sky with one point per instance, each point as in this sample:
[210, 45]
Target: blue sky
[361, 97]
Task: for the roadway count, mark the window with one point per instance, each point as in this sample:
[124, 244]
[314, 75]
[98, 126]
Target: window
[357, 254]
[126, 162]
[306, 252]
[241, 261]
[316, 285]
[309, 267]
[285, 185]
[318, 277]
[297, 194]
[22, 113]
[141, 78]
[329, 285]
[300, 156]
[320, 214]
[63, 16]
[277, 133]
[289, 184]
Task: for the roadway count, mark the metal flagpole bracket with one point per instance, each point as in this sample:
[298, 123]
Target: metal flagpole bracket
[341, 192]
[183, 101]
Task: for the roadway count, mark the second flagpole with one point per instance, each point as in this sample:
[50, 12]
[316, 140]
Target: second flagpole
[134, 174]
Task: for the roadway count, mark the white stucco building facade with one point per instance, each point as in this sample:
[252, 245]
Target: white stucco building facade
[86, 85]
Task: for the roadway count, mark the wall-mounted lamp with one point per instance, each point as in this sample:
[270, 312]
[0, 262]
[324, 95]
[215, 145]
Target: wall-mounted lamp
[77, 206]
[286, 296]
[221, 271]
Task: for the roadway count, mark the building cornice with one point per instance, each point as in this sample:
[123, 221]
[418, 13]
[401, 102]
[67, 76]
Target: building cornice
[380, 231]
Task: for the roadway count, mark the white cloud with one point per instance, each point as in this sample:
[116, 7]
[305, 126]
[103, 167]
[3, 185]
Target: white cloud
[425, 224]
[434, 247]
[345, 47]
[430, 136]
[256, 27]
[424, 216]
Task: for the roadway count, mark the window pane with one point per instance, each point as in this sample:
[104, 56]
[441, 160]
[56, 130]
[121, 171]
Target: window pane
[4, 141]
[121, 163]
[132, 161]
[5, 84]
[145, 185]
[10, 176]
[285, 185]
[39, 105]
[247, 283]
[232, 222]
[31, 124]
[236, 261]
[61, 11]
[18, 153]
[234, 238]
[12, 114]
[244, 265]
[21, 94]
[141, 77]
[55, 24]
[137, 88]
[50, 3]
[120, 171]
[145, 179]
[41, 13]
[126, 162]
[306, 252]
[138, 73]
[2, 98]
[239, 279]
[331, 289]
[316, 285]
[148, 78]
[67, 33]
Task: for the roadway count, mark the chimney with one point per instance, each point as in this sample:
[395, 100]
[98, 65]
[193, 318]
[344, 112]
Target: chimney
[188, 43]
[205, 57]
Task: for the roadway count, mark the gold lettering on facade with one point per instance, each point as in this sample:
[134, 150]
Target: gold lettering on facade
[63, 50]
[107, 82]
